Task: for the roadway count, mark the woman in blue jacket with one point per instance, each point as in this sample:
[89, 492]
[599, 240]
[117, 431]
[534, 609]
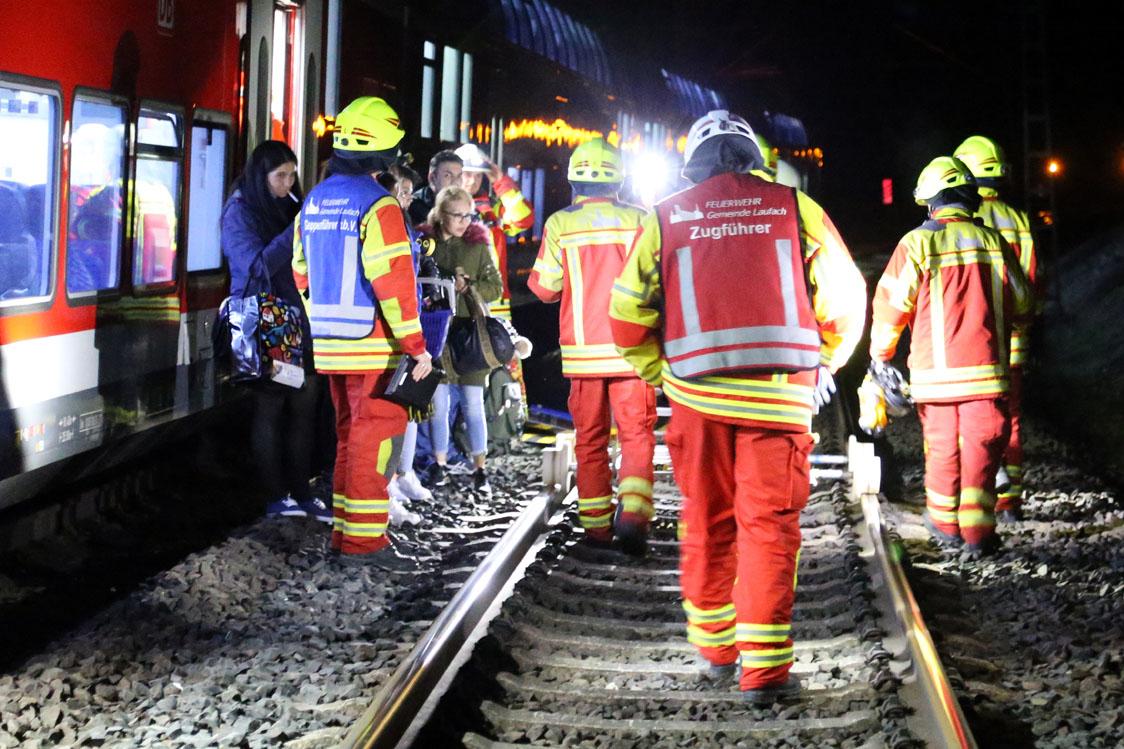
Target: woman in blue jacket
[257, 240]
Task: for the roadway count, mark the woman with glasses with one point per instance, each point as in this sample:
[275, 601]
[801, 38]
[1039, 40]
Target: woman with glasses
[461, 254]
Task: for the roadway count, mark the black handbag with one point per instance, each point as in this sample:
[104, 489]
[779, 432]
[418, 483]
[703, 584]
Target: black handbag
[406, 391]
[481, 342]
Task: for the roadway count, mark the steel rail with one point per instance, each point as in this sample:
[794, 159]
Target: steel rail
[398, 702]
[939, 718]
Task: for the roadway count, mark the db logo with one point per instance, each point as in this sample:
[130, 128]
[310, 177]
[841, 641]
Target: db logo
[166, 14]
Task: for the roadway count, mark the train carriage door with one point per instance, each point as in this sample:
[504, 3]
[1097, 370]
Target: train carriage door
[283, 75]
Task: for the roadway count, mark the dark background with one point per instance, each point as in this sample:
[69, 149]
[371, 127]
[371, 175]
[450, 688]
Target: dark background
[883, 87]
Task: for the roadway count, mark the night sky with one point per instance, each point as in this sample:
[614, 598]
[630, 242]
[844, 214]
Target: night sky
[883, 87]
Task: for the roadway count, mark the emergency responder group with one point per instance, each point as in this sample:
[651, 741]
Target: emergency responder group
[745, 359]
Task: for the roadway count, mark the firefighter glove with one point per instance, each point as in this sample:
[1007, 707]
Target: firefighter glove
[825, 388]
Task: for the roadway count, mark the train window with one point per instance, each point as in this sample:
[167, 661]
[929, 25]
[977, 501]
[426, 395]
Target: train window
[286, 110]
[456, 94]
[97, 189]
[29, 130]
[205, 195]
[429, 84]
[155, 199]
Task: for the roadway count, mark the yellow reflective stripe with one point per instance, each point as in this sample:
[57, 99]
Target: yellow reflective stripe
[366, 506]
[635, 485]
[976, 518]
[637, 505]
[956, 374]
[605, 367]
[364, 530]
[577, 239]
[767, 658]
[338, 500]
[954, 390]
[341, 345]
[936, 320]
[590, 350]
[934, 499]
[697, 615]
[386, 449]
[594, 503]
[977, 497]
[756, 410]
[703, 639]
[593, 522]
[948, 517]
[763, 633]
[577, 296]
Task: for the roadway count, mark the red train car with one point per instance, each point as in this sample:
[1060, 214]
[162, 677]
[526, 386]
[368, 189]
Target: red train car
[121, 126]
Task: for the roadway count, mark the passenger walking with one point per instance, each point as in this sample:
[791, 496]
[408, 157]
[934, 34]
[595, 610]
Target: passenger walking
[257, 240]
[500, 207]
[461, 253]
[583, 250]
[988, 164]
[352, 257]
[959, 288]
[444, 171]
[404, 486]
[740, 299]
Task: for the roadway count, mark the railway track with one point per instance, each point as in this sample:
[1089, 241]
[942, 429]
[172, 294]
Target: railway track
[552, 643]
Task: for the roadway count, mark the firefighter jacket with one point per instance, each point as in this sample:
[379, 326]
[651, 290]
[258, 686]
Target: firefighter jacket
[351, 253]
[583, 250]
[959, 287]
[779, 399]
[508, 215]
[1014, 225]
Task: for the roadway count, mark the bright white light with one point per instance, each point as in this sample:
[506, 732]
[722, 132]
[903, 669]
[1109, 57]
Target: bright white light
[651, 176]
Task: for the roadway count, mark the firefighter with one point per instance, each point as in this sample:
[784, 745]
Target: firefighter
[500, 207]
[583, 250]
[768, 170]
[351, 256]
[959, 287]
[988, 164]
[740, 299]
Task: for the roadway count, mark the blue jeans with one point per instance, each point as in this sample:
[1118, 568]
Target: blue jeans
[472, 401]
[409, 446]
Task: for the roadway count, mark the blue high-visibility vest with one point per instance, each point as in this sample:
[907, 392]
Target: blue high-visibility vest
[342, 301]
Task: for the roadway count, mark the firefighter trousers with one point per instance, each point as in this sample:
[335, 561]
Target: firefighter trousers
[743, 489]
[1012, 498]
[594, 403]
[369, 433]
[964, 444]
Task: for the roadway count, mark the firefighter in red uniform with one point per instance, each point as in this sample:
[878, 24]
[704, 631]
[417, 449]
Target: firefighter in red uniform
[989, 166]
[740, 298]
[959, 287]
[500, 207]
[351, 255]
[583, 250]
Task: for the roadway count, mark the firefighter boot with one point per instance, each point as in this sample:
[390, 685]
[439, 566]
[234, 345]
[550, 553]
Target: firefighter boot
[786, 691]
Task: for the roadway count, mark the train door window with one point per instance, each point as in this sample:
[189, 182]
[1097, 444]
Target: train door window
[96, 198]
[208, 178]
[429, 86]
[29, 132]
[155, 200]
[456, 94]
[532, 183]
[286, 95]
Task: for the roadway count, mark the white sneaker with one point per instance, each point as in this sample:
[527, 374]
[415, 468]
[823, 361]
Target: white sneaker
[399, 514]
[394, 489]
[409, 485]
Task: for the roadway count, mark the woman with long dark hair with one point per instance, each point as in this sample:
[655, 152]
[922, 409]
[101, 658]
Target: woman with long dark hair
[257, 240]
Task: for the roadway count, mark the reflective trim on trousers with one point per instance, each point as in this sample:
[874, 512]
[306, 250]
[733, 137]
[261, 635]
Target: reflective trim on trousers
[766, 658]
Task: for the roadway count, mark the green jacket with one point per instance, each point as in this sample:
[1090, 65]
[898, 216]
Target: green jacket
[469, 252]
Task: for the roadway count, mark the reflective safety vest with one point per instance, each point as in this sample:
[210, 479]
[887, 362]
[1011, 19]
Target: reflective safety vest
[959, 287]
[510, 214]
[583, 250]
[1014, 225]
[343, 304]
[733, 275]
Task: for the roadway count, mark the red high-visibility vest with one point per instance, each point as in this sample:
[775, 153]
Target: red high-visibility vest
[736, 295]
